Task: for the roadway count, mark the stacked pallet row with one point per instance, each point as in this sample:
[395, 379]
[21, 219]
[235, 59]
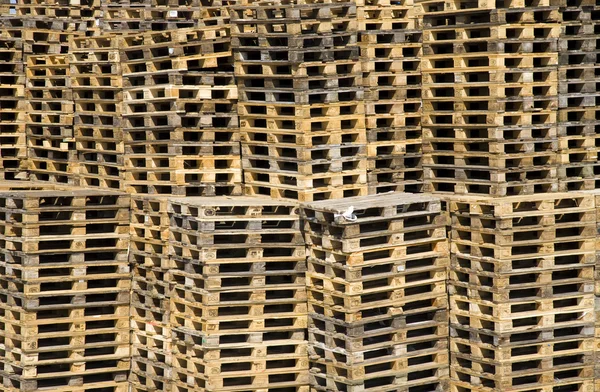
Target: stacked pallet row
[120, 17]
[301, 100]
[64, 291]
[46, 28]
[88, 13]
[528, 107]
[95, 82]
[596, 195]
[81, 14]
[130, 16]
[151, 338]
[35, 9]
[489, 96]
[522, 292]
[239, 303]
[13, 144]
[578, 113]
[49, 120]
[179, 112]
[455, 113]
[378, 318]
[391, 51]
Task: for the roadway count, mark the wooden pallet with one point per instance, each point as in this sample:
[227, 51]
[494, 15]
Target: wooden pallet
[238, 291]
[95, 78]
[503, 317]
[179, 126]
[65, 307]
[363, 306]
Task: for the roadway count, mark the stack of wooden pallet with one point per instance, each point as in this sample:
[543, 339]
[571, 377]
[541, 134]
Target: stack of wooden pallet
[239, 303]
[87, 14]
[49, 120]
[126, 16]
[390, 41]
[489, 96]
[13, 145]
[64, 291]
[579, 110]
[37, 9]
[81, 14]
[521, 292]
[596, 194]
[151, 338]
[376, 280]
[179, 113]
[301, 100]
[46, 28]
[122, 16]
[528, 94]
[95, 81]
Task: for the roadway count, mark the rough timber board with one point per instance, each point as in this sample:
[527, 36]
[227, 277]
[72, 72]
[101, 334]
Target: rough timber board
[373, 201]
[64, 192]
[579, 201]
[243, 201]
